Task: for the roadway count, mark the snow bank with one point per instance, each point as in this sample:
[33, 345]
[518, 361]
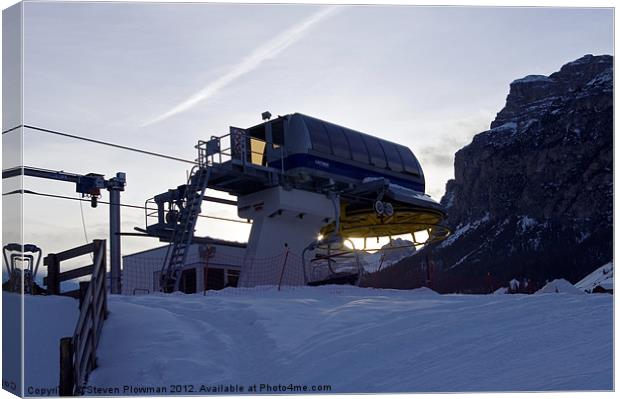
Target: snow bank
[424, 291]
[501, 290]
[603, 276]
[359, 340]
[559, 286]
[46, 320]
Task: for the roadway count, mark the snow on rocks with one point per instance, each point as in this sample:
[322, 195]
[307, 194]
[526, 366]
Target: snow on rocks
[602, 78]
[448, 199]
[559, 286]
[525, 223]
[533, 79]
[510, 127]
[462, 230]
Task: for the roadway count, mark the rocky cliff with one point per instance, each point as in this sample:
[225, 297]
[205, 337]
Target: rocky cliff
[532, 196]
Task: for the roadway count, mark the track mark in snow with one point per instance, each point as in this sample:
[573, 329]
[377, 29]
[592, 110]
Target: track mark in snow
[361, 340]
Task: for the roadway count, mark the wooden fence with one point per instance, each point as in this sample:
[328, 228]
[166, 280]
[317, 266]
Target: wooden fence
[78, 353]
[55, 277]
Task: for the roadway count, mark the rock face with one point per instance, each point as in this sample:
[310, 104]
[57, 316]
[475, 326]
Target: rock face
[533, 196]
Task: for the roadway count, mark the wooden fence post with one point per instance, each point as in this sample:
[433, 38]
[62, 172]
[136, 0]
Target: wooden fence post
[53, 270]
[100, 245]
[83, 288]
[67, 382]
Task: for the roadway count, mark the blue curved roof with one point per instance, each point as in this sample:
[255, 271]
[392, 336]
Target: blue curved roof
[329, 138]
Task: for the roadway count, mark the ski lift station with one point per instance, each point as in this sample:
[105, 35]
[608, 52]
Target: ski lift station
[311, 189]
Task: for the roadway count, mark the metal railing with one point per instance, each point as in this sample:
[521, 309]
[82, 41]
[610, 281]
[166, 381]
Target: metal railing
[150, 210]
[237, 145]
[78, 354]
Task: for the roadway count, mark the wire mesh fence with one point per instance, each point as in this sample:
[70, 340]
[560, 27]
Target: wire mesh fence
[283, 269]
[209, 271]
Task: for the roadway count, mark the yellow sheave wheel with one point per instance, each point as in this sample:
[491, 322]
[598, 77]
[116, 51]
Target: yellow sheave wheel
[365, 223]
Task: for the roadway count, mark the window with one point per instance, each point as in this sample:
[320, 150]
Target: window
[257, 151]
[358, 148]
[318, 135]
[257, 144]
[214, 279]
[233, 278]
[393, 158]
[377, 156]
[340, 145]
[188, 281]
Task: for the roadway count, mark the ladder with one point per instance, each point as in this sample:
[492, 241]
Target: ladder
[176, 254]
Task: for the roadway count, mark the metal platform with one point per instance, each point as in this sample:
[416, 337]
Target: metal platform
[238, 178]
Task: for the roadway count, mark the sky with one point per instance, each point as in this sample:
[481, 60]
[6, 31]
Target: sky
[163, 76]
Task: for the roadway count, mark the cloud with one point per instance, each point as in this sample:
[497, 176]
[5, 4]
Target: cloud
[454, 135]
[437, 156]
[268, 50]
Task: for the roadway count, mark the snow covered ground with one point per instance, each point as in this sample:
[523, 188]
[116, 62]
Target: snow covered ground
[46, 320]
[358, 340]
[354, 339]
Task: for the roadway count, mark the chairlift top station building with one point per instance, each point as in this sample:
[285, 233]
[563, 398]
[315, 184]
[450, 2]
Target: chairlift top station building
[298, 178]
[210, 264]
[314, 153]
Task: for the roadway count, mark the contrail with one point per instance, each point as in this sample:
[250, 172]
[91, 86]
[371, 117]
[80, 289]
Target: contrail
[268, 50]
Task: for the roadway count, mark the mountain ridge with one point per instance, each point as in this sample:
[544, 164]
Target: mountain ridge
[521, 202]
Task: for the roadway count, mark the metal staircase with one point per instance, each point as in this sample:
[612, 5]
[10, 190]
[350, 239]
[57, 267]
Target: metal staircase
[183, 233]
